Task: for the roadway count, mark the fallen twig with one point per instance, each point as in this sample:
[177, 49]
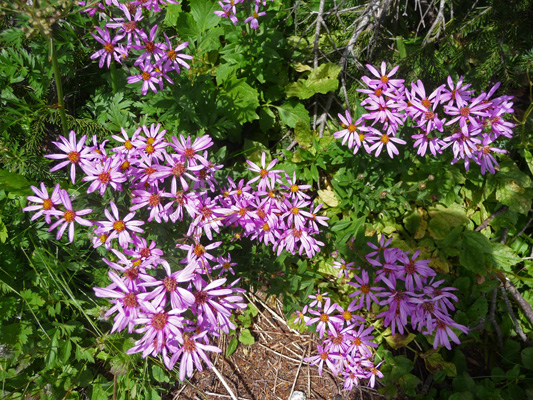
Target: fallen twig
[221, 378]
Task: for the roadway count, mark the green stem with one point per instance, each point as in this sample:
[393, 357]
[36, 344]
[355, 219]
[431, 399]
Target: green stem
[59, 87]
[113, 77]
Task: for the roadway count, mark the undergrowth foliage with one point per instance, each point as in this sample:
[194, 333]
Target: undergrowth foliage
[160, 159]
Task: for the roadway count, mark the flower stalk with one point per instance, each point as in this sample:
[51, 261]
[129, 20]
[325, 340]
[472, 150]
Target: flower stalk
[59, 87]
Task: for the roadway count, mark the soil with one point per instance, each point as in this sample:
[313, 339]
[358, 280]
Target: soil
[270, 369]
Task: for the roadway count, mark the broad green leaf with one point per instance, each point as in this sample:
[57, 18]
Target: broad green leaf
[400, 45]
[291, 112]
[303, 134]
[474, 246]
[240, 99]
[267, 119]
[435, 362]
[246, 337]
[503, 256]
[398, 340]
[203, 12]
[159, 374]
[172, 13]
[479, 309]
[321, 80]
[225, 72]
[527, 357]
[514, 187]
[444, 219]
[14, 183]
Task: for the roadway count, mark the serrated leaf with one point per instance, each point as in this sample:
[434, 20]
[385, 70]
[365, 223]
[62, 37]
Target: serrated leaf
[203, 12]
[3, 232]
[479, 309]
[172, 13]
[322, 79]
[246, 337]
[503, 257]
[291, 112]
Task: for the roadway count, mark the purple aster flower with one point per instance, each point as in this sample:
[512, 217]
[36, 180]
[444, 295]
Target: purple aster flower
[110, 50]
[444, 332]
[471, 112]
[148, 76]
[151, 49]
[181, 200]
[225, 265]
[120, 227]
[384, 79]
[267, 176]
[456, 92]
[415, 272]
[191, 151]
[387, 141]
[362, 341]
[252, 19]
[158, 327]
[45, 202]
[173, 58]
[180, 298]
[125, 300]
[324, 356]
[128, 28]
[190, 352]
[67, 217]
[343, 267]
[364, 293]
[325, 318]
[484, 157]
[128, 146]
[103, 174]
[226, 12]
[152, 200]
[75, 153]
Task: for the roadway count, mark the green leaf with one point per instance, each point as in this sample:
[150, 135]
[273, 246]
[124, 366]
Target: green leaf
[32, 298]
[474, 246]
[240, 99]
[3, 232]
[291, 112]
[203, 12]
[267, 119]
[232, 346]
[527, 357]
[173, 11]
[246, 337]
[503, 257]
[479, 309]
[398, 340]
[321, 80]
[514, 187]
[303, 134]
[435, 362]
[400, 45]
[14, 183]
[444, 219]
[159, 374]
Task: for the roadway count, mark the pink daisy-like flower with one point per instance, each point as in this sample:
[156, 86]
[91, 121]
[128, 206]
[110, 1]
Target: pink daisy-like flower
[365, 293]
[128, 28]
[384, 79]
[386, 141]
[45, 202]
[149, 78]
[226, 12]
[67, 217]
[75, 153]
[252, 19]
[343, 267]
[120, 227]
[103, 174]
[173, 58]
[151, 49]
[267, 176]
[191, 151]
[110, 50]
[190, 352]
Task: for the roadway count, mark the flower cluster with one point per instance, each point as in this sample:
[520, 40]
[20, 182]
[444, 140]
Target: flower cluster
[229, 10]
[405, 289]
[450, 116]
[274, 213]
[127, 39]
[176, 309]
